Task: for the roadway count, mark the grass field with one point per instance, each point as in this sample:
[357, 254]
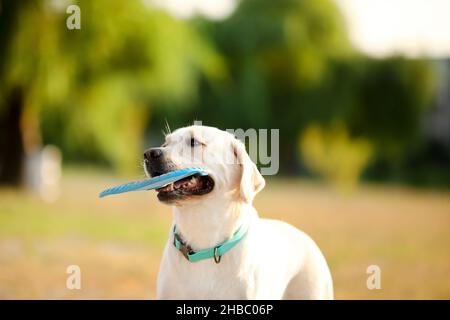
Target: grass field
[118, 241]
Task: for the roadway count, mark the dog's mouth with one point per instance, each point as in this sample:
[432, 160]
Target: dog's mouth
[195, 185]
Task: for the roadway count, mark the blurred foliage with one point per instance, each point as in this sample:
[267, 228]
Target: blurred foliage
[334, 155]
[291, 65]
[92, 89]
[99, 91]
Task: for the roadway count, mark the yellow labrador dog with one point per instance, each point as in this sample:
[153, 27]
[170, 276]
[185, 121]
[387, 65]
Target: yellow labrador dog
[218, 247]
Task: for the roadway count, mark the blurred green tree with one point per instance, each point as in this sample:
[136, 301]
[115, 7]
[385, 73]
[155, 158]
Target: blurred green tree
[291, 64]
[277, 53]
[382, 101]
[91, 91]
[335, 156]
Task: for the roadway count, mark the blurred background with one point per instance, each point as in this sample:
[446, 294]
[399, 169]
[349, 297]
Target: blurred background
[359, 89]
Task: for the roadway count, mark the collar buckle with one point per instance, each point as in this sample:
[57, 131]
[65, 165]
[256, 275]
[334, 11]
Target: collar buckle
[185, 249]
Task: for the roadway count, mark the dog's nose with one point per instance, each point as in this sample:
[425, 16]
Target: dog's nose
[152, 154]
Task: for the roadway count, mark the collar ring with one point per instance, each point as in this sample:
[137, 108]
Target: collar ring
[217, 258]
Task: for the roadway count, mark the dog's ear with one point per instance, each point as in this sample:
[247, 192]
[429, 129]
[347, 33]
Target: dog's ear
[251, 181]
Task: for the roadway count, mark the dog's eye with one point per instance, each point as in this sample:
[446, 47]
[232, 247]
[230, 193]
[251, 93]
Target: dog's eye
[194, 142]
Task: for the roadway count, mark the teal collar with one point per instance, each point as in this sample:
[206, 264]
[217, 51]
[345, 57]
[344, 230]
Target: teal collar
[216, 252]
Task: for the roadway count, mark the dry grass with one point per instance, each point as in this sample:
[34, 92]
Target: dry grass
[118, 241]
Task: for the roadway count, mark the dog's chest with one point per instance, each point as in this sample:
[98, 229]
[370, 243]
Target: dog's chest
[206, 279]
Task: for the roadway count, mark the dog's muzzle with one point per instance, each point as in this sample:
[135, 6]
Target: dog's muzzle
[157, 163]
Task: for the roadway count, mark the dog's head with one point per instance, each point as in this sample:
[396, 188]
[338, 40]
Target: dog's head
[231, 172]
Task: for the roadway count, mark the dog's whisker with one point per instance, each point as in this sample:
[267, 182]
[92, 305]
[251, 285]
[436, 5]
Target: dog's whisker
[166, 130]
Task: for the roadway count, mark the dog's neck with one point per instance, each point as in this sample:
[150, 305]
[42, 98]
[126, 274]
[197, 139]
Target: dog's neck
[204, 226]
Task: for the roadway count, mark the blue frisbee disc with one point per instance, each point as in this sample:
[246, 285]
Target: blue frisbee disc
[154, 183]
